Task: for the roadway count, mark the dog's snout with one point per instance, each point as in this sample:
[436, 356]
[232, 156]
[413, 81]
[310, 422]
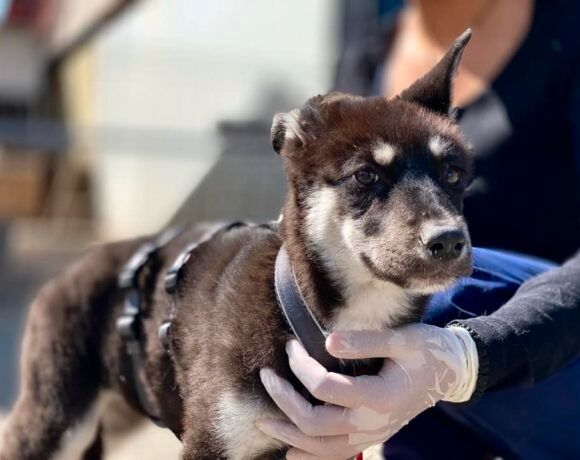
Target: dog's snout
[445, 244]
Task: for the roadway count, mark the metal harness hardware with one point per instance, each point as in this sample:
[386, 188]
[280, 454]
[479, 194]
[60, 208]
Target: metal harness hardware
[129, 324]
[171, 281]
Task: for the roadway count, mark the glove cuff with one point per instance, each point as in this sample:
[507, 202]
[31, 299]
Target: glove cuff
[466, 388]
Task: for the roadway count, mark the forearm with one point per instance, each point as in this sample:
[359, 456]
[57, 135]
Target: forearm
[534, 334]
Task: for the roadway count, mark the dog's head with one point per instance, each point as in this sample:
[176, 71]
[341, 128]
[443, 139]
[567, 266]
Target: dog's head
[377, 185]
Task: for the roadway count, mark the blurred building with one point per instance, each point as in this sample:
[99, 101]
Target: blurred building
[142, 104]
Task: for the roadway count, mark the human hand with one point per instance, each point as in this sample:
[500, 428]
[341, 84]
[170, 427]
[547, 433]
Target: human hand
[424, 364]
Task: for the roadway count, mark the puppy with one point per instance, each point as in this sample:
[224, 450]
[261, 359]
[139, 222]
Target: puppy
[372, 224]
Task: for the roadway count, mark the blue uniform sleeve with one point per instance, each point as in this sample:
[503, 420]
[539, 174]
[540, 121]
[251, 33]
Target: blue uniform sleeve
[533, 335]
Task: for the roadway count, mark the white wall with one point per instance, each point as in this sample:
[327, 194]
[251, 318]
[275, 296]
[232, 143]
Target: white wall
[173, 68]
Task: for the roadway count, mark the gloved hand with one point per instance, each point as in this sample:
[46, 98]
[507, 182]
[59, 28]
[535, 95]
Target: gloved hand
[424, 364]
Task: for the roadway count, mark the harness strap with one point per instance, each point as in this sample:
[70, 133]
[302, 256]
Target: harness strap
[129, 325]
[174, 274]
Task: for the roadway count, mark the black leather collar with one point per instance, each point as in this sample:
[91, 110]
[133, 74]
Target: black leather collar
[301, 320]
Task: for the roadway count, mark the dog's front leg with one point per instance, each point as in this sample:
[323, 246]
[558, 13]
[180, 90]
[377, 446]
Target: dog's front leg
[200, 445]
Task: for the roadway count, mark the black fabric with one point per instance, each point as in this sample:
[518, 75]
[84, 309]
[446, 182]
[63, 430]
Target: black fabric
[535, 333]
[526, 135]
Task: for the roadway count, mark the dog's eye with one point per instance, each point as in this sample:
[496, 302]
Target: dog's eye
[366, 177]
[452, 175]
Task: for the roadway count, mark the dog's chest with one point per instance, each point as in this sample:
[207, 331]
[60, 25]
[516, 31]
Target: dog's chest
[373, 306]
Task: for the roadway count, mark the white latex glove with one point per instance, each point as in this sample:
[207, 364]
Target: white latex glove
[424, 364]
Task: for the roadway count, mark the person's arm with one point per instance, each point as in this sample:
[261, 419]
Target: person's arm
[538, 330]
[533, 335]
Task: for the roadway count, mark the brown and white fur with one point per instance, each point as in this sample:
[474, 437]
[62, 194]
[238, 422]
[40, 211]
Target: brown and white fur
[372, 223]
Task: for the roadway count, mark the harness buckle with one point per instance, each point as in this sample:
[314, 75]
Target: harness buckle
[128, 327]
[165, 334]
[171, 280]
[128, 324]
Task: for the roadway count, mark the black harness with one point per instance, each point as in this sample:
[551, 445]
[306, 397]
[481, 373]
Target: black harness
[298, 315]
[173, 276]
[130, 326]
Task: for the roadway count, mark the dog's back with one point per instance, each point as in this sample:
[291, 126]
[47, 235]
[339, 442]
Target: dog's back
[226, 328]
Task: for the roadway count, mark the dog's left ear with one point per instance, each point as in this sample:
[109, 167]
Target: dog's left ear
[433, 90]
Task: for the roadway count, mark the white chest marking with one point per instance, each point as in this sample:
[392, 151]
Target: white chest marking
[375, 306]
[242, 440]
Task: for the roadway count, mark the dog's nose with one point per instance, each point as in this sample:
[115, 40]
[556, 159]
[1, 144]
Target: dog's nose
[445, 244]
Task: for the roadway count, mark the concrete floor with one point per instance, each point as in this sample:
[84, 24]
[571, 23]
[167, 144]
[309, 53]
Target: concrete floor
[17, 288]
[12, 308]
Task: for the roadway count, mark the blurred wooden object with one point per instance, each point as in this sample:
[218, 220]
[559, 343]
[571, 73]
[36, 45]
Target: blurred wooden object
[23, 184]
[45, 181]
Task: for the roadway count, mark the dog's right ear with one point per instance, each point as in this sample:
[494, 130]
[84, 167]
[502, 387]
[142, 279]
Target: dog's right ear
[297, 126]
[284, 127]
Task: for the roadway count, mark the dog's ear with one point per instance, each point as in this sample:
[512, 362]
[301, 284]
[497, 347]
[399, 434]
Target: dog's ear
[297, 126]
[433, 90]
[284, 126]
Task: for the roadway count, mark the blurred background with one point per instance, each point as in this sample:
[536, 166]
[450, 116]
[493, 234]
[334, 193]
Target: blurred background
[118, 117]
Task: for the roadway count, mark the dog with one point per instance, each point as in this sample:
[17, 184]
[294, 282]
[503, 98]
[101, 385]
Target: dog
[372, 225]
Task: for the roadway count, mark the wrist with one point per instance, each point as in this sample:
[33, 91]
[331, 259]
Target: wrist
[468, 383]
